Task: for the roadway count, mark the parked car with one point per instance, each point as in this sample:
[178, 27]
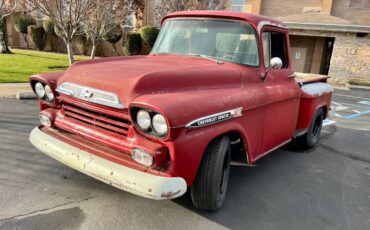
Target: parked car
[218, 86]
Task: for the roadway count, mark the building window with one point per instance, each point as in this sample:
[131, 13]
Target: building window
[237, 5]
[361, 5]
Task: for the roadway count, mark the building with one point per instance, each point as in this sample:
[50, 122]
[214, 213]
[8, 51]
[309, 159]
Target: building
[329, 37]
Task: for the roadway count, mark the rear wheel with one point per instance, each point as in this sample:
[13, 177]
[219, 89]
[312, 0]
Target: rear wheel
[210, 186]
[313, 134]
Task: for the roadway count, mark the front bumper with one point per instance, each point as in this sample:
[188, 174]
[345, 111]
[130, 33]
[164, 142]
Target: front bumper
[122, 177]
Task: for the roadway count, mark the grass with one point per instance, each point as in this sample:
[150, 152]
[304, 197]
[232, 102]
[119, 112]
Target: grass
[17, 67]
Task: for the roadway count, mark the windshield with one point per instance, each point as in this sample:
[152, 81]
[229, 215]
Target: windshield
[222, 40]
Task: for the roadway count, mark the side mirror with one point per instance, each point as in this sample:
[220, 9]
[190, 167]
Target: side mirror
[276, 63]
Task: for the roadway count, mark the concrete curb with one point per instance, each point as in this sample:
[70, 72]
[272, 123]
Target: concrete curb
[25, 96]
[353, 90]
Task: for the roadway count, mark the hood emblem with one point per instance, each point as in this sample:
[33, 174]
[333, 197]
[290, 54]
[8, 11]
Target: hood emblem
[86, 94]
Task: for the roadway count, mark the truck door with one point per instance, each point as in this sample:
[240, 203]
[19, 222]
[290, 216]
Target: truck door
[282, 94]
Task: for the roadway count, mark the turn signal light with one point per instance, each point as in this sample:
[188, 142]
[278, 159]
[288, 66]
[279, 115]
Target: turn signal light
[142, 157]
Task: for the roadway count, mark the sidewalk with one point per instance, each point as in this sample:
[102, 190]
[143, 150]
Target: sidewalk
[10, 90]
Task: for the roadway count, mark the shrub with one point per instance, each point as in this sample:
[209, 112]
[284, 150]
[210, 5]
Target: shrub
[149, 34]
[132, 43]
[114, 33]
[38, 36]
[49, 27]
[22, 22]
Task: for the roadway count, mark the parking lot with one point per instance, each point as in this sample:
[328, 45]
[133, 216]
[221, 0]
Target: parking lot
[327, 187]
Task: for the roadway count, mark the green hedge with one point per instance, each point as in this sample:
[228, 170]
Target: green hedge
[149, 34]
[22, 22]
[132, 43]
[38, 36]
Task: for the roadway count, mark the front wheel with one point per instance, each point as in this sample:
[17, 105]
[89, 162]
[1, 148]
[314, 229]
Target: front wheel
[313, 134]
[209, 189]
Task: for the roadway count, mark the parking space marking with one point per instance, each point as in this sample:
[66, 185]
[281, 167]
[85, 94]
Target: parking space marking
[364, 102]
[357, 113]
[327, 122]
[351, 116]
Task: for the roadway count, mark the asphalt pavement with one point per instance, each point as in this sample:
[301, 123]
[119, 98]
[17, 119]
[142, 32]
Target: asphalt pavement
[327, 187]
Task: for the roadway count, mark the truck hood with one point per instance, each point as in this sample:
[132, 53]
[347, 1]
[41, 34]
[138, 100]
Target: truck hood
[130, 77]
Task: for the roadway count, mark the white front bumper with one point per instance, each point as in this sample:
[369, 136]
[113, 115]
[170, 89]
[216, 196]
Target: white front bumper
[127, 179]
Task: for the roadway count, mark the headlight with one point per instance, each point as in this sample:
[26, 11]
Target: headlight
[40, 90]
[143, 119]
[49, 93]
[160, 124]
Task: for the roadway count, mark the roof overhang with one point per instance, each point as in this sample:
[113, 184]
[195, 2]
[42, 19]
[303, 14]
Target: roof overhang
[355, 28]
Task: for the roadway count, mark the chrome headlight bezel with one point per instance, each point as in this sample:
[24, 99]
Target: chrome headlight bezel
[150, 131]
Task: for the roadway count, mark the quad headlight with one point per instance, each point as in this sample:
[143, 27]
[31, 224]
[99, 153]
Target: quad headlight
[49, 93]
[44, 92]
[150, 122]
[160, 124]
[143, 119]
[40, 90]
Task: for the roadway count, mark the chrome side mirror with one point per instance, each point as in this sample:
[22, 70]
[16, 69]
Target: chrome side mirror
[276, 63]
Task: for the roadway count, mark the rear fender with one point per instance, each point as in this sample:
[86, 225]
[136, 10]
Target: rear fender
[314, 96]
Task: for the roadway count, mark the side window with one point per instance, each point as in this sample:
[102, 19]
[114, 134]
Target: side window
[266, 48]
[274, 45]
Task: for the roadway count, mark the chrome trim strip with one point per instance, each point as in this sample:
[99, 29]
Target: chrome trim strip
[90, 95]
[215, 118]
[264, 23]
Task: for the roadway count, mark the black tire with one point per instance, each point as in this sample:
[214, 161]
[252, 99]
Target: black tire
[313, 134]
[208, 191]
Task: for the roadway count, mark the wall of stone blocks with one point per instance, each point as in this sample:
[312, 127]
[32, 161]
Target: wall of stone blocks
[351, 55]
[340, 8]
[278, 8]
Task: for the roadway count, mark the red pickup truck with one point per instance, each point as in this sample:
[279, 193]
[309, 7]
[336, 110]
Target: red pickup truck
[217, 86]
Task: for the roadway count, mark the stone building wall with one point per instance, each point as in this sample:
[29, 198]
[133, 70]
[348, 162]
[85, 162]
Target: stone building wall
[278, 8]
[346, 9]
[351, 55]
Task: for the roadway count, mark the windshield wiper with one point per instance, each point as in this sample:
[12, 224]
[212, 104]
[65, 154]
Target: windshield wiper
[208, 57]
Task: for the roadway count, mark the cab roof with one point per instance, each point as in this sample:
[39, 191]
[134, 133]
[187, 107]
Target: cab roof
[255, 20]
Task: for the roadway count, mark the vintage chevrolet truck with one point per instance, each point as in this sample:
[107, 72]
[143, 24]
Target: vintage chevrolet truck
[217, 87]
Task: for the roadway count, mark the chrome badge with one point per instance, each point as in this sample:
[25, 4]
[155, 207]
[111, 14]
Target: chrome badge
[215, 118]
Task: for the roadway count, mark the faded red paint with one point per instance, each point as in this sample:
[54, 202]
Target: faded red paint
[183, 89]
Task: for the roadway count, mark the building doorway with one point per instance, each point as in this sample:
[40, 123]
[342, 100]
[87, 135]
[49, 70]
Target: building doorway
[311, 54]
[326, 57]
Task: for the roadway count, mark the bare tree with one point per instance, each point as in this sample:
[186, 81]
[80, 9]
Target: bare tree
[163, 7]
[5, 11]
[68, 17]
[101, 16]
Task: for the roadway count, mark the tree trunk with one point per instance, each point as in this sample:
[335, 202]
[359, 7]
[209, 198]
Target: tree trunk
[93, 50]
[70, 52]
[26, 41]
[115, 49]
[4, 49]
